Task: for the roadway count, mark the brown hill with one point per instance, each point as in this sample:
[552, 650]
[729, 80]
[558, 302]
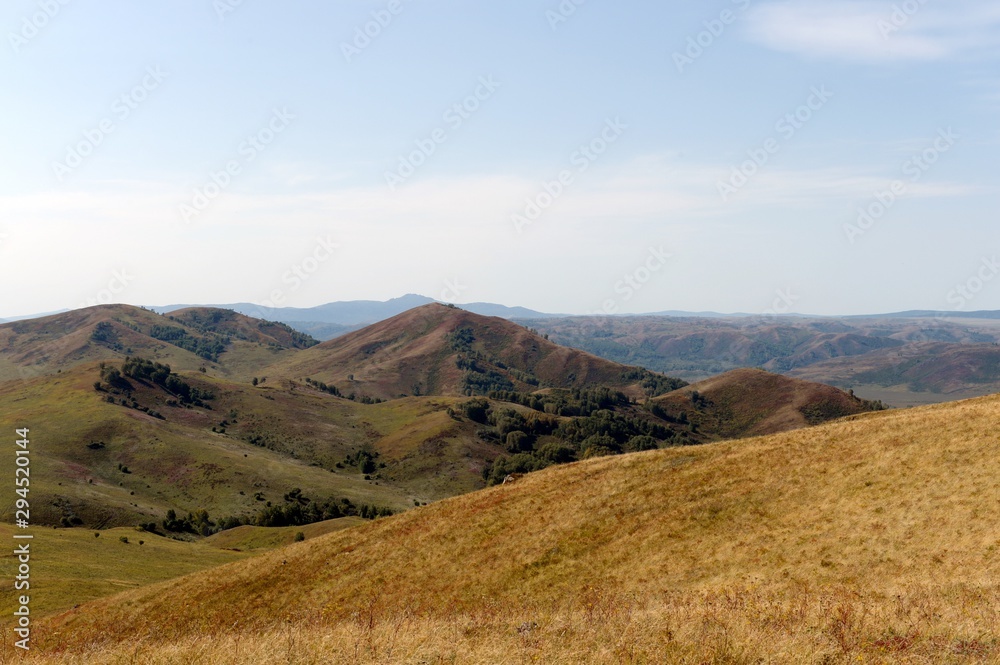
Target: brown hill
[231, 343]
[750, 402]
[244, 328]
[442, 350]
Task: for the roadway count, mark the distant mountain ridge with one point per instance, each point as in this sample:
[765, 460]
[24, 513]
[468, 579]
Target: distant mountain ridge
[352, 314]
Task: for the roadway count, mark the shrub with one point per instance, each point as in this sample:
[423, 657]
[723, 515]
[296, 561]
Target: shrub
[599, 445]
[556, 453]
[477, 410]
[641, 442]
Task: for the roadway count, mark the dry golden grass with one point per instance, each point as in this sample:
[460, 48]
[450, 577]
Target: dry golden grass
[867, 540]
[735, 625]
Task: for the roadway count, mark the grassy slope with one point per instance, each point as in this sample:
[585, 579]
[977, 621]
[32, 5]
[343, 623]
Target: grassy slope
[244, 538]
[865, 535]
[71, 566]
[180, 463]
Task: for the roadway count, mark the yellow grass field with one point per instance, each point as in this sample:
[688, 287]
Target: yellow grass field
[872, 539]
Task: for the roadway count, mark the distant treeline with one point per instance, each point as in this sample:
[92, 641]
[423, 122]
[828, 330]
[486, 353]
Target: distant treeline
[296, 510]
[565, 425]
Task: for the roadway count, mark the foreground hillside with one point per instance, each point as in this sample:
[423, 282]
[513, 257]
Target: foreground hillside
[870, 539]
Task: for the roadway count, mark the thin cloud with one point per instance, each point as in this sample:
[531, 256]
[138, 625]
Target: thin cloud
[861, 31]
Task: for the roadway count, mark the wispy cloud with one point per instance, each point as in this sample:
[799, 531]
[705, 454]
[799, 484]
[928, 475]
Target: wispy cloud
[865, 31]
[648, 187]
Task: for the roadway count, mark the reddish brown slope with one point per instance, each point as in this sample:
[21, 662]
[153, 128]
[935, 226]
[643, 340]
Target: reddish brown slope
[428, 349]
[751, 402]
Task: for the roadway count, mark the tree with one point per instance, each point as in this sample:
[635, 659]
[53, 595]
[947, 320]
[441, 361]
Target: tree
[518, 442]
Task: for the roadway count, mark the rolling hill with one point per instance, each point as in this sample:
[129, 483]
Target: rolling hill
[870, 539]
[115, 457]
[123, 449]
[443, 350]
[751, 402]
[230, 344]
[935, 367]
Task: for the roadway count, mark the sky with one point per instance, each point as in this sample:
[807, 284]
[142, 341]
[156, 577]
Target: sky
[574, 156]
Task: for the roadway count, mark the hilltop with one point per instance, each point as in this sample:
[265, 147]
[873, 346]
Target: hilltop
[441, 350]
[751, 402]
[864, 539]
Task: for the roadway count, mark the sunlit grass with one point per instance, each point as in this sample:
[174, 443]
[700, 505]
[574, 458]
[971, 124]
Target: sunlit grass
[872, 539]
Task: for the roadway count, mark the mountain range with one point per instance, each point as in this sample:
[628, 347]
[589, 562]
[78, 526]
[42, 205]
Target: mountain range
[903, 359]
[208, 409]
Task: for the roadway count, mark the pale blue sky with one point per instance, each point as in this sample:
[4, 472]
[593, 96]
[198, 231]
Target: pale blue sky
[182, 86]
